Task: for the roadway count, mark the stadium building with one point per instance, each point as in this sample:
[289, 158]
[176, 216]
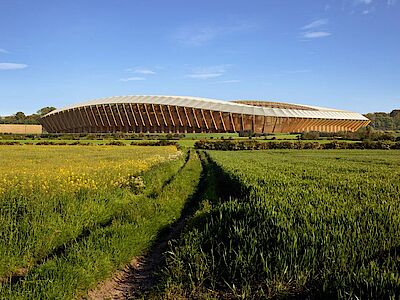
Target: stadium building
[177, 114]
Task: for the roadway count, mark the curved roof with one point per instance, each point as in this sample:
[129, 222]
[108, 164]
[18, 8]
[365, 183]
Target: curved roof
[224, 106]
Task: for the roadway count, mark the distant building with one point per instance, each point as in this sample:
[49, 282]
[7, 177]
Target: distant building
[21, 129]
[143, 114]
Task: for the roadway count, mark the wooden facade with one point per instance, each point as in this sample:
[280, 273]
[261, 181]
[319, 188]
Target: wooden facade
[159, 118]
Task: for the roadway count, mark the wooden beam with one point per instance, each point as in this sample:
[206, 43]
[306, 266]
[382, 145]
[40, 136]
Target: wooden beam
[87, 115]
[58, 122]
[62, 121]
[170, 115]
[148, 115]
[133, 114]
[55, 124]
[222, 120]
[276, 120]
[67, 120]
[113, 116]
[212, 118]
[101, 118]
[187, 118]
[179, 116]
[233, 124]
[126, 115]
[307, 124]
[241, 121]
[140, 114]
[120, 117]
[204, 118]
[292, 124]
[106, 114]
[162, 114]
[195, 118]
[94, 118]
[75, 118]
[263, 128]
[155, 115]
[49, 124]
[83, 125]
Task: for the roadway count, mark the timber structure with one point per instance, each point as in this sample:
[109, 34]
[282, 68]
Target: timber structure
[178, 114]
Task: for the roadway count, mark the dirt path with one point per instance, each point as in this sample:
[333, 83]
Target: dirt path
[138, 276]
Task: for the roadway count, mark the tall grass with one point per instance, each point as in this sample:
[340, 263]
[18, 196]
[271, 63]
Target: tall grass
[294, 224]
[99, 230]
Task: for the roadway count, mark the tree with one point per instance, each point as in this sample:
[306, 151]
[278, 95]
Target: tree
[20, 116]
[45, 110]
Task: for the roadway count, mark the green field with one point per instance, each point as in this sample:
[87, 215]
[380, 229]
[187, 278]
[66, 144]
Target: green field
[71, 216]
[266, 224]
[302, 224]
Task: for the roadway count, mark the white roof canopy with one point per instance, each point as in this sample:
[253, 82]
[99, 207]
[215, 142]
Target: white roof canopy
[224, 106]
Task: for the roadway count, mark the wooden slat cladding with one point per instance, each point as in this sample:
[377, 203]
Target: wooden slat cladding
[145, 117]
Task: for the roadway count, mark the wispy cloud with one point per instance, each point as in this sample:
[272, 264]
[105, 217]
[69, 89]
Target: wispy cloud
[292, 72]
[231, 81]
[204, 75]
[141, 70]
[315, 24]
[391, 2]
[316, 34]
[364, 1]
[2, 50]
[315, 30]
[12, 66]
[132, 79]
[297, 71]
[201, 35]
[208, 72]
[368, 11]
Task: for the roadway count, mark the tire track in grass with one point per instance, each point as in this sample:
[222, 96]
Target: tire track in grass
[139, 276]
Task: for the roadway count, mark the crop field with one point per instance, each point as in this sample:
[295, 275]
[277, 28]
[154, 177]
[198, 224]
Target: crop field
[70, 216]
[266, 224]
[302, 224]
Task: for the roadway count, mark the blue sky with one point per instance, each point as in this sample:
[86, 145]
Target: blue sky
[343, 54]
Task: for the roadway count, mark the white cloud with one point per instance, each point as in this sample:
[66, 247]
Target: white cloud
[316, 34]
[12, 66]
[208, 72]
[141, 70]
[201, 35]
[391, 2]
[315, 24]
[364, 1]
[297, 71]
[368, 11]
[230, 81]
[204, 75]
[132, 79]
[3, 50]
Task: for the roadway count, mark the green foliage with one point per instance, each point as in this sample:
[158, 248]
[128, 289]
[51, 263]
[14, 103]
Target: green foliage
[232, 145]
[304, 224]
[45, 110]
[385, 121]
[364, 134]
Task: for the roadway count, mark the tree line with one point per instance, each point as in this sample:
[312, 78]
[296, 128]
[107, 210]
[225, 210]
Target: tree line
[21, 118]
[385, 121]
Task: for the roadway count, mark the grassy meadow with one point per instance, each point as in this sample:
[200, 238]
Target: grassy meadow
[70, 216]
[267, 224]
[293, 224]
